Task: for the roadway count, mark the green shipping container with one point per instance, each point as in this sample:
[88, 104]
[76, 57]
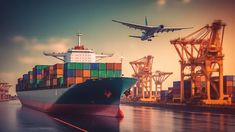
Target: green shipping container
[30, 81]
[94, 73]
[60, 81]
[102, 73]
[78, 66]
[102, 66]
[117, 73]
[40, 66]
[86, 66]
[110, 73]
[70, 66]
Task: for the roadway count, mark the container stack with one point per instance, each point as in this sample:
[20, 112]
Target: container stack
[30, 79]
[80, 72]
[38, 75]
[229, 86]
[61, 75]
[176, 89]
[58, 72]
[48, 71]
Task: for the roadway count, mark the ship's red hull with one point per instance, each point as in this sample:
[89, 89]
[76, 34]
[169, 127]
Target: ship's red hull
[78, 109]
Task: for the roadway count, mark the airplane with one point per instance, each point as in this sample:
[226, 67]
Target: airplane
[149, 31]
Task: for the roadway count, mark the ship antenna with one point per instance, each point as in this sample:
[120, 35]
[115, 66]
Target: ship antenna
[79, 38]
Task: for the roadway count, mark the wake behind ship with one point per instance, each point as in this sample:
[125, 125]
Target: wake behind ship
[79, 86]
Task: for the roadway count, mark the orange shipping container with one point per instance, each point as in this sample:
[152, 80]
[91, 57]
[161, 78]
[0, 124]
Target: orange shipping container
[117, 66]
[229, 83]
[79, 80]
[86, 73]
[59, 72]
[58, 66]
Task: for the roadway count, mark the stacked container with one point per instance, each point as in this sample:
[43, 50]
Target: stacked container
[229, 86]
[30, 77]
[58, 72]
[48, 75]
[60, 75]
[176, 89]
[38, 75]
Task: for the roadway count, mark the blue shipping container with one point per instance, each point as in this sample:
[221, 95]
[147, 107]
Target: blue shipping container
[69, 73]
[230, 77]
[94, 66]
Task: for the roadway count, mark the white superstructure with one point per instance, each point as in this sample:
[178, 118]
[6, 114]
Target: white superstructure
[78, 54]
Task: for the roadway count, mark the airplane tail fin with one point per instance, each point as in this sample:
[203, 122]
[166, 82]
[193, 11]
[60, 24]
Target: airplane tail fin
[134, 36]
[146, 21]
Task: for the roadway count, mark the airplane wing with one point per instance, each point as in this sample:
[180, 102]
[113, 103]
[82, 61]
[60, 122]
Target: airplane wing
[135, 26]
[171, 29]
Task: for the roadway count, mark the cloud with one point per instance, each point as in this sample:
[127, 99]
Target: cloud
[52, 44]
[164, 2]
[186, 1]
[161, 2]
[29, 60]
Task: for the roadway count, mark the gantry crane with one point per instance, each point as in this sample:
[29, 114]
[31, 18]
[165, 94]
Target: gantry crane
[4, 89]
[201, 56]
[143, 72]
[159, 77]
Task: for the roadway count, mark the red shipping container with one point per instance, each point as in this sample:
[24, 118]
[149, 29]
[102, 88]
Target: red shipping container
[110, 66]
[229, 83]
[117, 66]
[79, 73]
[229, 90]
[69, 80]
[39, 76]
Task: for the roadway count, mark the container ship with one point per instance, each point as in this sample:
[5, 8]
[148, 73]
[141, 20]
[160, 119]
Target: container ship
[80, 85]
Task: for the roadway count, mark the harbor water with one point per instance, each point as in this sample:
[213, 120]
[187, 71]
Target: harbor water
[16, 118]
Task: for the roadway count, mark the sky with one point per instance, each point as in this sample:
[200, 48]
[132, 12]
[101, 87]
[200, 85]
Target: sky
[29, 27]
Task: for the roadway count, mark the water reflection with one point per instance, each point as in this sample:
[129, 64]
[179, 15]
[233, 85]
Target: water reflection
[14, 118]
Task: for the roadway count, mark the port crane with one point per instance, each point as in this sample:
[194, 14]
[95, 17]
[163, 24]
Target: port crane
[143, 72]
[201, 56]
[159, 77]
[4, 89]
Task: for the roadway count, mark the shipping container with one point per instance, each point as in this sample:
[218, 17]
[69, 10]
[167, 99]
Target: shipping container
[117, 73]
[102, 66]
[69, 73]
[79, 73]
[117, 66]
[110, 73]
[78, 80]
[94, 73]
[86, 66]
[94, 66]
[86, 73]
[110, 66]
[228, 77]
[58, 66]
[102, 73]
[69, 81]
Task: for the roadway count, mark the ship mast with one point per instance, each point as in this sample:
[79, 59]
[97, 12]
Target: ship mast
[79, 38]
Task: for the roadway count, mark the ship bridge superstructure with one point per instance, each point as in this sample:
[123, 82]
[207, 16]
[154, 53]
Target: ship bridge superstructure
[78, 54]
